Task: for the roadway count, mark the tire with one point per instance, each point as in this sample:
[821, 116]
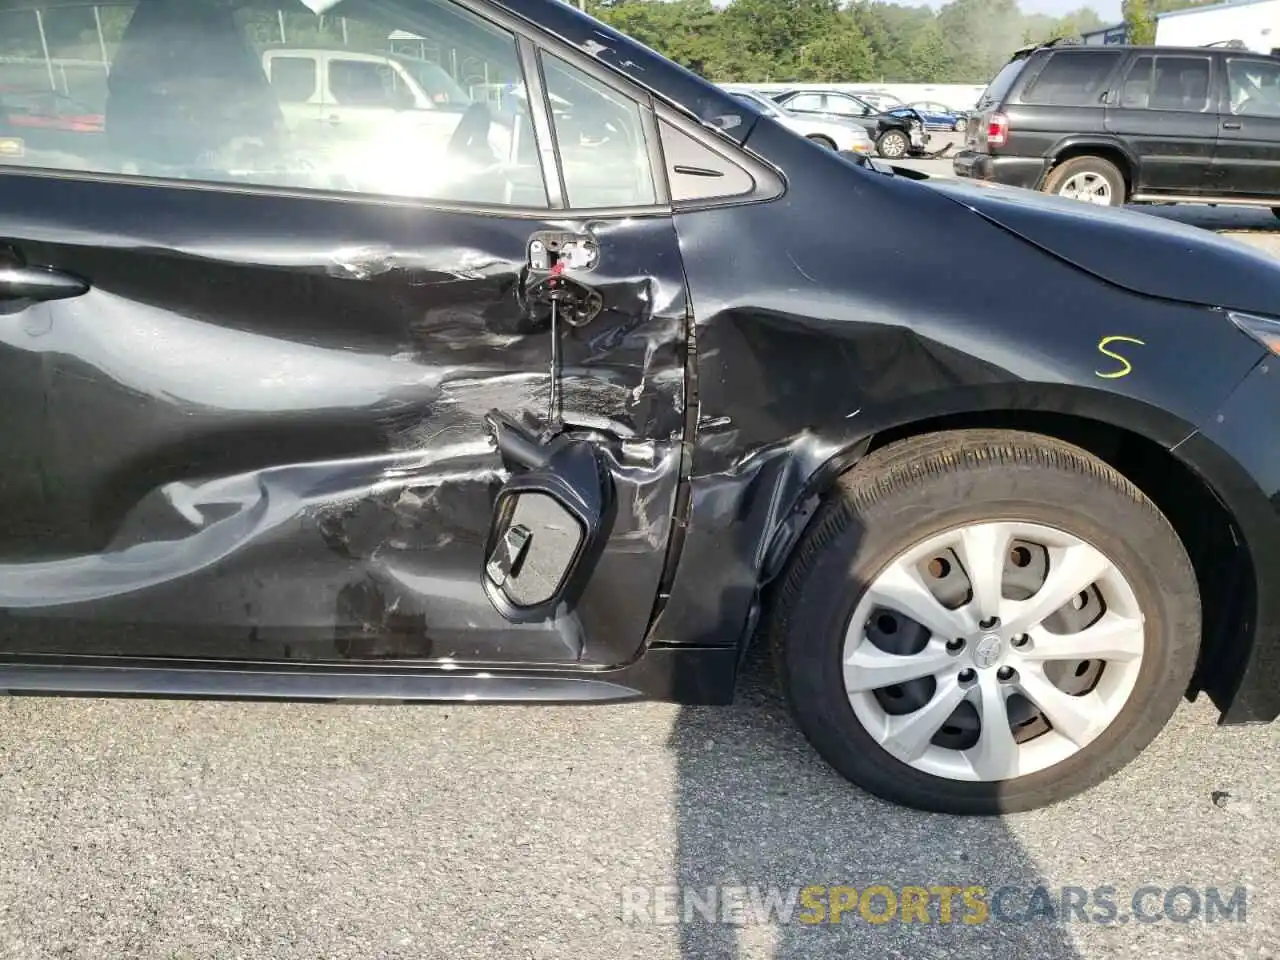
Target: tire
[893, 145]
[903, 494]
[1083, 171]
[1276, 211]
[822, 141]
[961, 125]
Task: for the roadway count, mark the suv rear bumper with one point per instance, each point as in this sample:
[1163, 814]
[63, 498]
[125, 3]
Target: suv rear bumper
[1011, 171]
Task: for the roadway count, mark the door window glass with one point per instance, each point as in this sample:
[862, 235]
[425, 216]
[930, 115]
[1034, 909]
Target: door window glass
[600, 136]
[1254, 86]
[412, 105]
[847, 106]
[294, 78]
[1180, 83]
[1072, 79]
[1135, 91]
[805, 101]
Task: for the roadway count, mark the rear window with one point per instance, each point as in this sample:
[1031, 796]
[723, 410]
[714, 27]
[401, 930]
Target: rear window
[1001, 83]
[1072, 79]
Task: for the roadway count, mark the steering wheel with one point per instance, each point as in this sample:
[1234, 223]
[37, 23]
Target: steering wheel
[471, 136]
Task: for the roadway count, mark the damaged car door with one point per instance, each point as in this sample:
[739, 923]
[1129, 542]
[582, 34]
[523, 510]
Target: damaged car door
[296, 393]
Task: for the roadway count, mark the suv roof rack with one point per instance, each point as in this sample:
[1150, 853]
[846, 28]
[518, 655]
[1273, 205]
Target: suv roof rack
[1228, 44]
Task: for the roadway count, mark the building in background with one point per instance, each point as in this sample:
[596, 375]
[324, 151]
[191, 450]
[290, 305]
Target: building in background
[1115, 33]
[1253, 23]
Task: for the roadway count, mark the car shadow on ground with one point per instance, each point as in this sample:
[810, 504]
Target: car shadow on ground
[775, 816]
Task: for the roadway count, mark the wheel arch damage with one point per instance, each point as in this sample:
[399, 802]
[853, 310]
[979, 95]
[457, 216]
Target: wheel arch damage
[1140, 441]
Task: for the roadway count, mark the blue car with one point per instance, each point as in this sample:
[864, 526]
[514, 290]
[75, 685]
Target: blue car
[938, 116]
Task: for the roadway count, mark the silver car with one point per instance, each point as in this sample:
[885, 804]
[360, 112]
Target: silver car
[847, 137]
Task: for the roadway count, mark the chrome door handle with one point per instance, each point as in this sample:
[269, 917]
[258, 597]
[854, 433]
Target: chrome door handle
[20, 282]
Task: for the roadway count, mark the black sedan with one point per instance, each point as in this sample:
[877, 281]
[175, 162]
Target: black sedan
[512, 403]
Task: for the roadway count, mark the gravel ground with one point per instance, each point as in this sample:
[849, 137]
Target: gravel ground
[176, 830]
[193, 830]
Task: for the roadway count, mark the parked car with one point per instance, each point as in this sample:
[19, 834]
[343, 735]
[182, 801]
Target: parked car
[48, 110]
[938, 116]
[1125, 124]
[897, 133]
[879, 101]
[579, 421]
[846, 136]
[323, 88]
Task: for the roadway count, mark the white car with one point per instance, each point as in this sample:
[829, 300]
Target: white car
[847, 137]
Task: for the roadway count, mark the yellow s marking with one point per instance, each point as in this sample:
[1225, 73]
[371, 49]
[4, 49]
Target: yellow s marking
[1128, 367]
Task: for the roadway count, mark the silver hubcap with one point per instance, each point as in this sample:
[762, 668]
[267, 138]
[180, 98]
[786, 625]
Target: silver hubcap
[1089, 187]
[895, 145]
[993, 651]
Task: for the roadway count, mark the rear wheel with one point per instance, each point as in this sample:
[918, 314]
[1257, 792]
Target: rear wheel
[961, 125]
[1089, 179]
[822, 141]
[985, 621]
[893, 145]
[1276, 211]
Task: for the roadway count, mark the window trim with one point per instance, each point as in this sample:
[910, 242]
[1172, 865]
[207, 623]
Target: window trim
[535, 87]
[770, 183]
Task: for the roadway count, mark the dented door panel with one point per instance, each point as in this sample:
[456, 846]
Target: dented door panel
[265, 425]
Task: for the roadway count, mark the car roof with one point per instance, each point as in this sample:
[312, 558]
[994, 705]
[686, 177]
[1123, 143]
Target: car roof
[1148, 48]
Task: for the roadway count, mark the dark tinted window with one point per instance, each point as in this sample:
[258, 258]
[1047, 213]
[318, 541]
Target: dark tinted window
[1075, 78]
[1001, 83]
[293, 78]
[1180, 83]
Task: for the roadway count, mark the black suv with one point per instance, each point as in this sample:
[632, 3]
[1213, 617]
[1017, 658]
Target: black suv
[1120, 124]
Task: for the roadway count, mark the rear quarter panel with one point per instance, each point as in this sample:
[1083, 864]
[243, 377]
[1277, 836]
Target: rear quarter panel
[900, 305]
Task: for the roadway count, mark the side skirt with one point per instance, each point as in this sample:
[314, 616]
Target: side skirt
[694, 676]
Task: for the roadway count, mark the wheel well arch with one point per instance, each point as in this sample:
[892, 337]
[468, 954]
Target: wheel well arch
[1107, 151]
[1204, 524]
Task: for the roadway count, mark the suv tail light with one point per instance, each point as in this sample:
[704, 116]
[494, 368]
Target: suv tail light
[997, 130]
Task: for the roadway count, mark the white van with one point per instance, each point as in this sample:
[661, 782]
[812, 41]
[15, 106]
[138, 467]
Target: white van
[396, 111]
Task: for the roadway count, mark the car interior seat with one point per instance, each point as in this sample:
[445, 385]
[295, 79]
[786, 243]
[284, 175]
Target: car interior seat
[184, 84]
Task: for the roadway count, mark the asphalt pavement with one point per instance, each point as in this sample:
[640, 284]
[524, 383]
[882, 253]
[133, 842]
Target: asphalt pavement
[183, 830]
[179, 830]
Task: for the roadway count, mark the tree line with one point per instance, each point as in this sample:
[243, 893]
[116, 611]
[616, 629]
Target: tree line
[829, 41]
